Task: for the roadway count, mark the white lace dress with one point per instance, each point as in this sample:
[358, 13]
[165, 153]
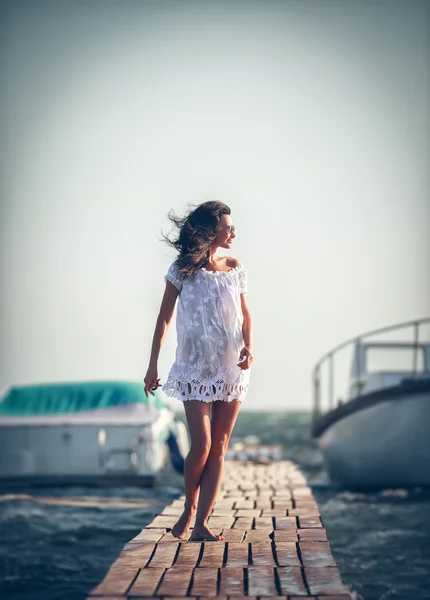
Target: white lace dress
[209, 334]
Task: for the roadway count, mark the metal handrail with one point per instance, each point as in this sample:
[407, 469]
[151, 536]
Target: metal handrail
[358, 340]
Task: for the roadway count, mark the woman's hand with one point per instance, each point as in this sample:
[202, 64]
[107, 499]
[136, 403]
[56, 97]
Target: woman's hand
[245, 358]
[151, 380]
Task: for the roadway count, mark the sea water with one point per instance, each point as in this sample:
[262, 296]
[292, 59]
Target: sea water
[380, 541]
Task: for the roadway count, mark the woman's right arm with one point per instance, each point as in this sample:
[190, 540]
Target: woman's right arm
[161, 327]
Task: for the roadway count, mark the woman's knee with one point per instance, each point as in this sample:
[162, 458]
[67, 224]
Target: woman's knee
[218, 449]
[199, 452]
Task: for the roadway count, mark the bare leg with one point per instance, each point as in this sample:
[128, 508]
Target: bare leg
[199, 426]
[224, 416]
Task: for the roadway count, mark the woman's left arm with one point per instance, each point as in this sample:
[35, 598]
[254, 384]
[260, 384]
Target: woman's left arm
[247, 331]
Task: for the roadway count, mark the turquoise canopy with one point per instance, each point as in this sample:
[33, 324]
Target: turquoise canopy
[45, 399]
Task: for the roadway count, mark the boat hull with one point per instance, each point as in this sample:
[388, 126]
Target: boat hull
[386, 445]
[77, 453]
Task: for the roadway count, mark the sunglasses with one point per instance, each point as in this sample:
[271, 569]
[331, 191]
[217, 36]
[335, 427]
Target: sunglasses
[229, 228]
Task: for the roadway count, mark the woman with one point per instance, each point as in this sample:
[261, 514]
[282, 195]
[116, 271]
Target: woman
[213, 356]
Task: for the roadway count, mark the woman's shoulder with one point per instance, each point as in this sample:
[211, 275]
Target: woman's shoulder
[232, 262]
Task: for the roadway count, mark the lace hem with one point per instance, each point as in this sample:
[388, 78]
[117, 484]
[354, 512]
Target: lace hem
[207, 400]
[207, 392]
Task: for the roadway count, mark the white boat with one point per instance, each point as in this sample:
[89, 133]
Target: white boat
[87, 433]
[379, 437]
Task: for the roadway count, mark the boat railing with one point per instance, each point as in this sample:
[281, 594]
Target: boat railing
[357, 379]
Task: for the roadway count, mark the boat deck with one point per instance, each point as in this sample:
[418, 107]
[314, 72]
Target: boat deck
[275, 545]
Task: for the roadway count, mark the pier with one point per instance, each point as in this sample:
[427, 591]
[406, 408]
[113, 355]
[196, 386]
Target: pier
[275, 545]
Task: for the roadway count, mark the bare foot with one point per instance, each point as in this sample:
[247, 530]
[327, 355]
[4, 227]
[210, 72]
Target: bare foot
[182, 525]
[204, 534]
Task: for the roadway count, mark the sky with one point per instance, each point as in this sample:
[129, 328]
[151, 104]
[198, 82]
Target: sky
[310, 119]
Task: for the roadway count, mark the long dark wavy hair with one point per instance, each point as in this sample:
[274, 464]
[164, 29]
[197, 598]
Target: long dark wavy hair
[197, 231]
